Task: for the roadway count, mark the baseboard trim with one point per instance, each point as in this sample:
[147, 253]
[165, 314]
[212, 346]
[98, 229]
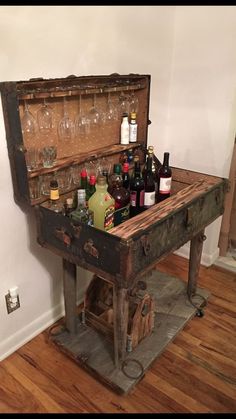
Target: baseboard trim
[27, 333]
[206, 259]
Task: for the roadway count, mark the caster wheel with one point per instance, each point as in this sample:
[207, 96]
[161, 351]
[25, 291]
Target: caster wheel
[200, 312]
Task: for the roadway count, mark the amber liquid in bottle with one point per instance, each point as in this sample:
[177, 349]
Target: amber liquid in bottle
[164, 179]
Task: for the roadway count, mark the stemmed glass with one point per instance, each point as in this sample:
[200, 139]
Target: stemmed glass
[94, 114]
[82, 123]
[28, 122]
[44, 117]
[111, 113]
[66, 126]
[124, 104]
[133, 103]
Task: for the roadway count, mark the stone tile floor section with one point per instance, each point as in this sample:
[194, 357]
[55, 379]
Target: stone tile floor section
[228, 261]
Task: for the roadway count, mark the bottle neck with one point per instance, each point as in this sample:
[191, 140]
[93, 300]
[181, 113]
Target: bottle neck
[149, 163]
[137, 169]
[166, 159]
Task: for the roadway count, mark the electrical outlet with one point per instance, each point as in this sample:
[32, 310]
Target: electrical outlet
[12, 305]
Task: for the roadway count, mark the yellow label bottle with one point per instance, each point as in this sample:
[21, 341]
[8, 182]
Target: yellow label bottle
[103, 205]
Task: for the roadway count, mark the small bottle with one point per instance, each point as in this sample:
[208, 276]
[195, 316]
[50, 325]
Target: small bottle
[69, 206]
[83, 179]
[55, 203]
[136, 189]
[91, 187]
[133, 128]
[103, 205]
[125, 175]
[82, 214]
[164, 179]
[114, 177]
[124, 130]
[149, 184]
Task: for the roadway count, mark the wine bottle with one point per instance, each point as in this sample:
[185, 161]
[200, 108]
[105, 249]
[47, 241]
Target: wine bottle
[125, 175]
[164, 179]
[122, 202]
[149, 184]
[136, 189]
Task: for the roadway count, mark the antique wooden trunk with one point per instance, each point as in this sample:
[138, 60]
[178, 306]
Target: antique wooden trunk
[130, 250]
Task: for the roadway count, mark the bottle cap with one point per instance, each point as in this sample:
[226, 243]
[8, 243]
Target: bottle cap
[92, 180]
[117, 168]
[125, 115]
[133, 115]
[83, 172]
[81, 193]
[101, 180]
[69, 201]
[54, 184]
[125, 167]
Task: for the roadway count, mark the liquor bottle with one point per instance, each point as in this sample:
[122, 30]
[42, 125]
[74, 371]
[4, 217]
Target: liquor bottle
[55, 203]
[136, 189]
[125, 175]
[69, 206]
[103, 205]
[124, 130]
[133, 128]
[164, 179]
[91, 187]
[150, 152]
[149, 184]
[114, 177]
[122, 202]
[83, 179]
[82, 214]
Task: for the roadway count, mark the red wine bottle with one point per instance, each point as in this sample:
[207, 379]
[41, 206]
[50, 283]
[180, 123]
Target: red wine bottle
[149, 184]
[164, 179]
[136, 190]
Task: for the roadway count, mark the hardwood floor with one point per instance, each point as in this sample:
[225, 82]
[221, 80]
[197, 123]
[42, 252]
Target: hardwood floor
[196, 373]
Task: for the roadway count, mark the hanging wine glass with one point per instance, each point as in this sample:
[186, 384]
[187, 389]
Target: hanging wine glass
[44, 117]
[66, 126]
[28, 122]
[82, 123]
[133, 103]
[111, 111]
[124, 104]
[94, 114]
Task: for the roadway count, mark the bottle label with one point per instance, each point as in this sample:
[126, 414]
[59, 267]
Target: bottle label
[109, 217]
[133, 133]
[149, 198]
[133, 198]
[54, 194]
[125, 132]
[165, 185]
[121, 215]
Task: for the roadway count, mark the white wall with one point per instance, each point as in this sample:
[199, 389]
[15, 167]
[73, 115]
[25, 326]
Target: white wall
[56, 41]
[202, 106]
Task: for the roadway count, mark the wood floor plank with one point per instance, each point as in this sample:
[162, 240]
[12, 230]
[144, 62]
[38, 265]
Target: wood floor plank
[196, 373]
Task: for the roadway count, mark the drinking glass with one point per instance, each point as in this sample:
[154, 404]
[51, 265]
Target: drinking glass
[82, 123]
[44, 117]
[49, 155]
[124, 104]
[34, 188]
[32, 158]
[66, 126]
[94, 113]
[28, 122]
[111, 114]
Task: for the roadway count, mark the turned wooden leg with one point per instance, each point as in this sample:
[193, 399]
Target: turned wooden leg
[194, 262]
[69, 283]
[120, 307]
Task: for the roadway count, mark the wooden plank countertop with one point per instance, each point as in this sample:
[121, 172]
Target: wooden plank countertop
[201, 184]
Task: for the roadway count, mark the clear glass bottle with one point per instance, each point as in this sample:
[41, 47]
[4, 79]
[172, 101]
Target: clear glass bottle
[103, 205]
[82, 214]
[133, 128]
[164, 179]
[55, 203]
[124, 130]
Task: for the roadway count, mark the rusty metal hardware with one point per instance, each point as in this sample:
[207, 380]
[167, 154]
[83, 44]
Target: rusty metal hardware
[91, 249]
[62, 235]
[146, 245]
[145, 310]
[21, 148]
[202, 238]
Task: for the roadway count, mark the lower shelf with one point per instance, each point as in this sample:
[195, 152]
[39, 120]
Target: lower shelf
[94, 352]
